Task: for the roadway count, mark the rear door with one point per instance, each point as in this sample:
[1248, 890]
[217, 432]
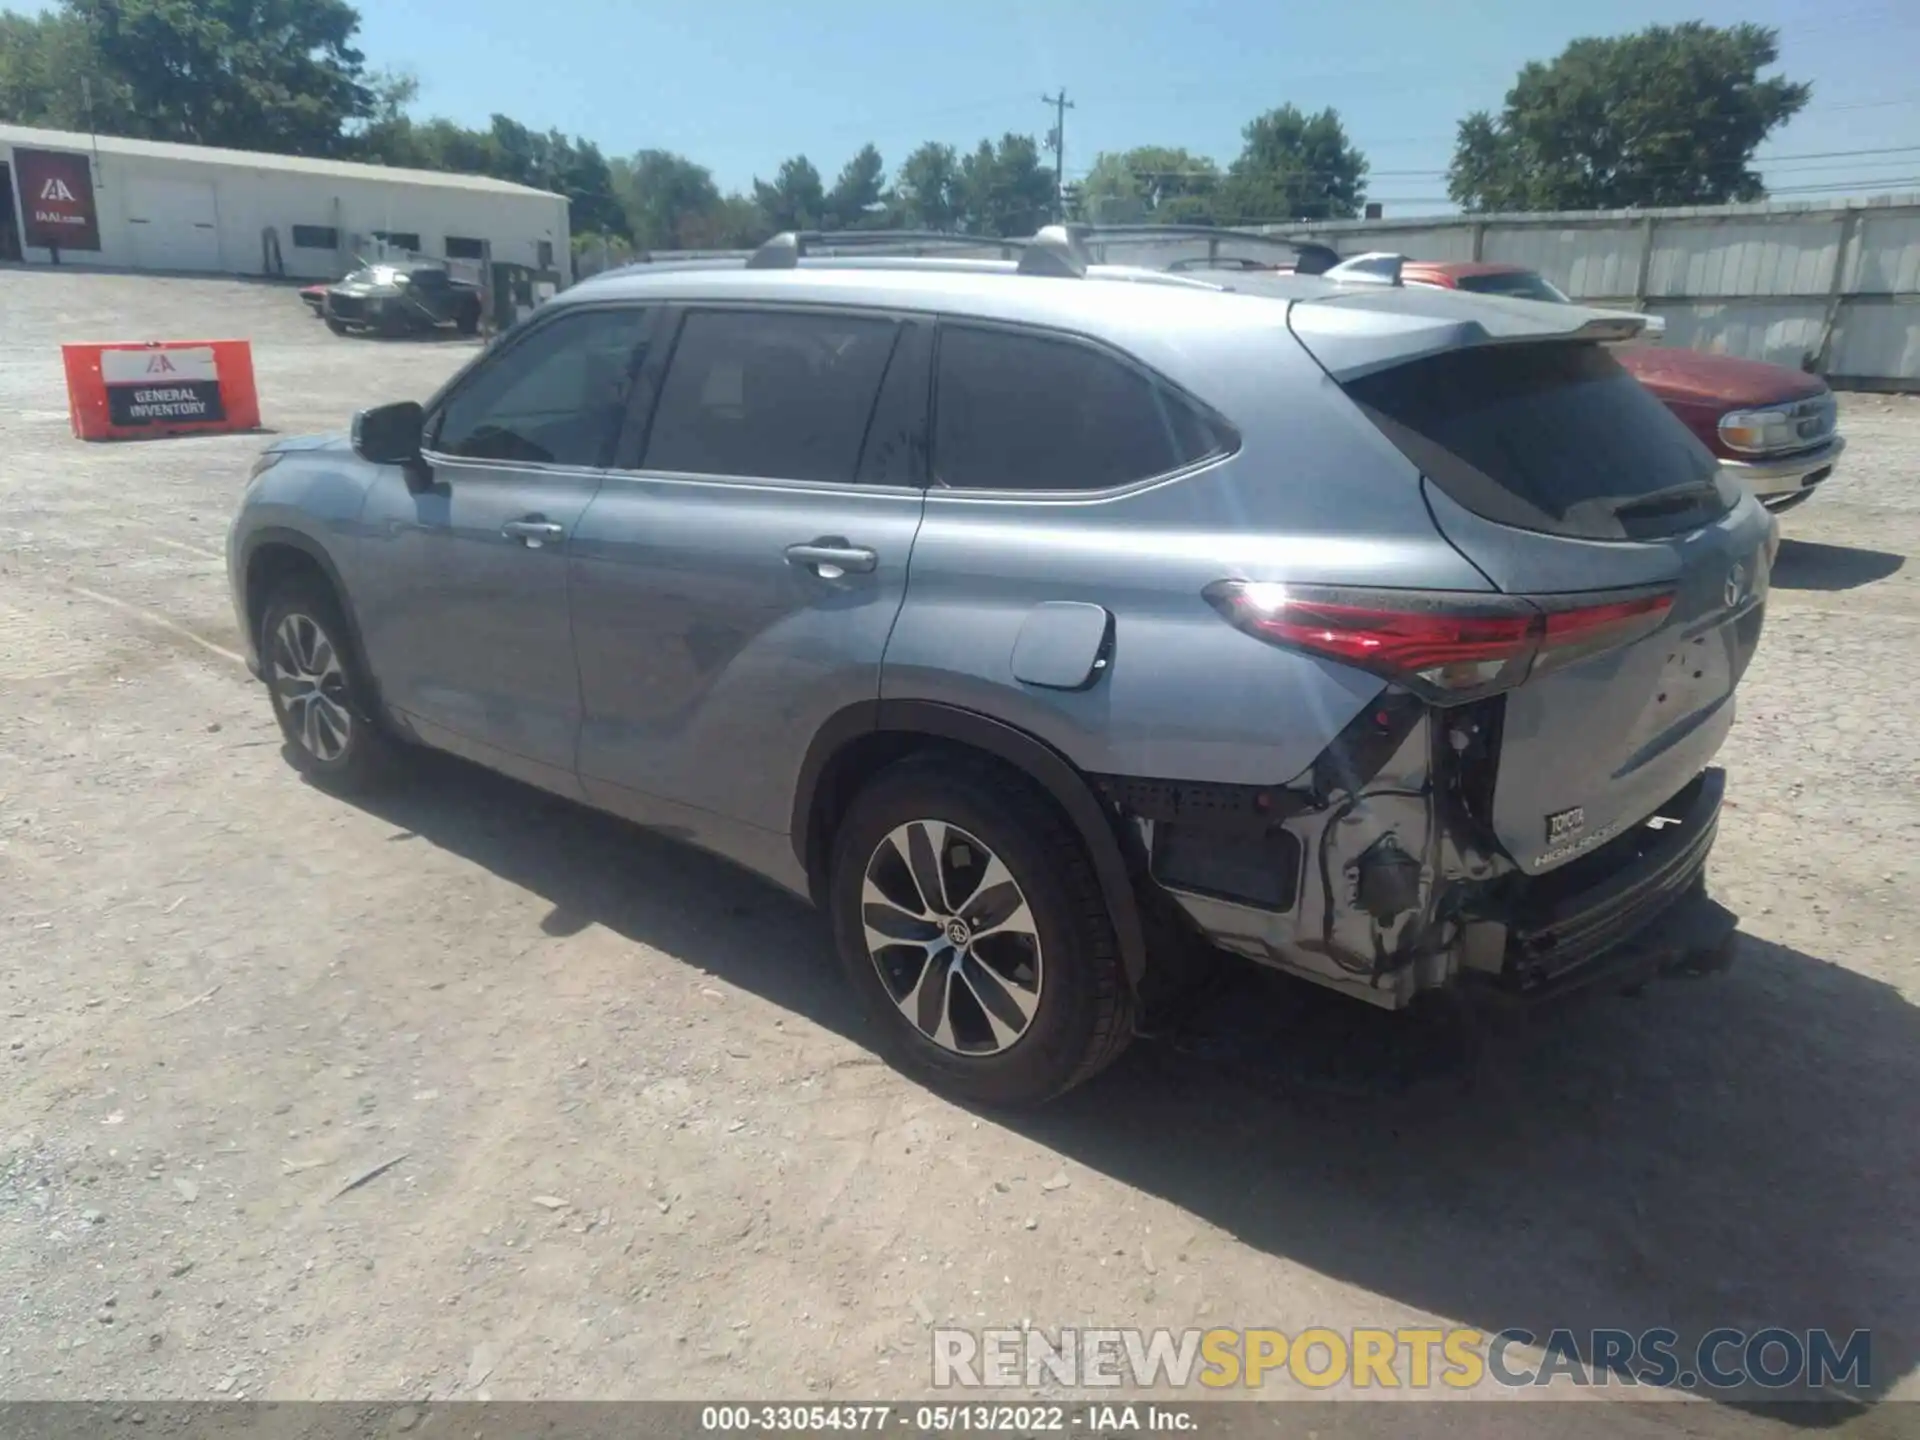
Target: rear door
[1561, 478]
[737, 578]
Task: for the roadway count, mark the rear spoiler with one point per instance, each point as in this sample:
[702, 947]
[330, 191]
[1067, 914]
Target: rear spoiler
[1364, 328]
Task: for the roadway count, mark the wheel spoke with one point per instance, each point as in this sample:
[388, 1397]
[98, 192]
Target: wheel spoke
[283, 657]
[926, 844]
[334, 725]
[302, 643]
[997, 907]
[1005, 1017]
[929, 1004]
[1005, 999]
[888, 924]
[310, 725]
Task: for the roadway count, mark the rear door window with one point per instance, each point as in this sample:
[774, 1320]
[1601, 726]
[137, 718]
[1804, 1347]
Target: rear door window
[780, 394]
[1555, 438]
[1016, 411]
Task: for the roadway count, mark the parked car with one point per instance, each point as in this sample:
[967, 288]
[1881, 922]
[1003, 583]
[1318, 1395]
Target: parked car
[1047, 623]
[401, 300]
[1771, 426]
[314, 297]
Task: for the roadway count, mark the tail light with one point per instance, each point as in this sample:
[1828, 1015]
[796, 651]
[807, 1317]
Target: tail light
[1448, 648]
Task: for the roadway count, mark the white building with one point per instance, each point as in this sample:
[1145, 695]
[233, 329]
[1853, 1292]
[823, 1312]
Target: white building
[150, 205]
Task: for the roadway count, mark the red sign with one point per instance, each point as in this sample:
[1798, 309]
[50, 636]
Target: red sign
[56, 199]
[125, 391]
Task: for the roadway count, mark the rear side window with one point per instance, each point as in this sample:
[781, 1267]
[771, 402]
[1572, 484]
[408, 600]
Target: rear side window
[785, 395]
[1030, 412]
[1555, 438]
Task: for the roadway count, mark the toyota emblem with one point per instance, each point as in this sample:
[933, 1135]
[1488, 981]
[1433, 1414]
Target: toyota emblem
[1736, 584]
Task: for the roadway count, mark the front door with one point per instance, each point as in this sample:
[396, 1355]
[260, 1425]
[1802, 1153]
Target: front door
[468, 626]
[738, 584]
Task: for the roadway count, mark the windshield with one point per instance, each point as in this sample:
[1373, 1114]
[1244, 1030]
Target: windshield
[1520, 284]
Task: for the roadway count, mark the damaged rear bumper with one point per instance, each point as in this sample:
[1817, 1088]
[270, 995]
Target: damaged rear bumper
[1626, 907]
[1380, 889]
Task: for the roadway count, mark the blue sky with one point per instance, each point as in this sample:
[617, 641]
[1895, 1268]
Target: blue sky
[737, 85]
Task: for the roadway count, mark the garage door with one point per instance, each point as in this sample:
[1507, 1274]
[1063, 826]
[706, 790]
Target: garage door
[174, 225]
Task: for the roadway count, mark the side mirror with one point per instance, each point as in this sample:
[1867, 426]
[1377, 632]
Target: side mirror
[389, 434]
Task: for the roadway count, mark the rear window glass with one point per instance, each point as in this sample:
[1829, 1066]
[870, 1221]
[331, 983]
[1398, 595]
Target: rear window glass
[1556, 438]
[1029, 412]
[1521, 284]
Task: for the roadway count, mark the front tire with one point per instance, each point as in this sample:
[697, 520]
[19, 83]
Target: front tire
[338, 327]
[971, 924]
[319, 692]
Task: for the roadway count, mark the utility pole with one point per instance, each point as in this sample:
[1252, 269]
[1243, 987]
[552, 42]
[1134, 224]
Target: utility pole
[1057, 142]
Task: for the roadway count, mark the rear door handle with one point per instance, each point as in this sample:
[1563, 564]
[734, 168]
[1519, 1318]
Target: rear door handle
[532, 532]
[830, 557]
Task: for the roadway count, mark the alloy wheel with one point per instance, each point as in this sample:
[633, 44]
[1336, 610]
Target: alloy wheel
[951, 934]
[312, 685]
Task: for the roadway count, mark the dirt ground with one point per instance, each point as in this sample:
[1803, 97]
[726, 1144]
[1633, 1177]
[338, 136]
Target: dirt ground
[635, 1145]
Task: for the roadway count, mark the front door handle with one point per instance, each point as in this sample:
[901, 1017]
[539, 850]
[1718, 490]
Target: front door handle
[532, 532]
[830, 557]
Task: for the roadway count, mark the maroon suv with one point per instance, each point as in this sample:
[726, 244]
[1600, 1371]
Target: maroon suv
[1772, 426]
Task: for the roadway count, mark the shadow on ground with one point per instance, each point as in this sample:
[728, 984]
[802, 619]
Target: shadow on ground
[1807, 565]
[1739, 1151]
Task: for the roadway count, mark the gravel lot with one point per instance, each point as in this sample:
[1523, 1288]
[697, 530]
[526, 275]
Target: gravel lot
[641, 1149]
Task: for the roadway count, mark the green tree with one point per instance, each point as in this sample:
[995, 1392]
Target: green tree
[927, 190]
[1294, 166]
[1669, 115]
[43, 59]
[1004, 189]
[858, 200]
[1151, 183]
[737, 223]
[667, 198]
[278, 75]
[795, 200]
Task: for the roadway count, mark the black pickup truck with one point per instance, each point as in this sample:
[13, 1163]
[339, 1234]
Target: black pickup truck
[402, 300]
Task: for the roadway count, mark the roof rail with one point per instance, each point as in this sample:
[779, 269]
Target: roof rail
[1312, 257]
[1052, 251]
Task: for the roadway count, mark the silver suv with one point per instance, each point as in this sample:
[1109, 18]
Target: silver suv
[1053, 624]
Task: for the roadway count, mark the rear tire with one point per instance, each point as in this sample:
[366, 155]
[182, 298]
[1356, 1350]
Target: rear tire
[931, 851]
[468, 321]
[319, 691]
